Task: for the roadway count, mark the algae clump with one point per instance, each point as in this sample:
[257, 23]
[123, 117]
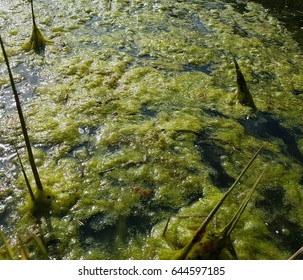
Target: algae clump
[130, 118]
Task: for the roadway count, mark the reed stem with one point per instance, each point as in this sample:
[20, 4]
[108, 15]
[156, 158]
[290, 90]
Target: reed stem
[33, 14]
[22, 121]
[25, 178]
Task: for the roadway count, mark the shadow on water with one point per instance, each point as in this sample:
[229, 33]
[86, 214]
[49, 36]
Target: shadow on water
[266, 127]
[211, 155]
[103, 229]
[288, 234]
[289, 12]
[203, 68]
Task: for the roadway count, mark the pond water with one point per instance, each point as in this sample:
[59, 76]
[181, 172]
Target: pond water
[132, 115]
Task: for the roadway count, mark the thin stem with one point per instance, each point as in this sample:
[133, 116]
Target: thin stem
[22, 121]
[8, 247]
[230, 226]
[25, 177]
[33, 14]
[41, 246]
[201, 230]
[296, 254]
[216, 208]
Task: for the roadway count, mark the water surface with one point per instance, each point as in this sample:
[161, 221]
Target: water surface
[133, 119]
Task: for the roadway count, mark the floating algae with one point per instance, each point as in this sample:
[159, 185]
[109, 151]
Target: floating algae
[131, 123]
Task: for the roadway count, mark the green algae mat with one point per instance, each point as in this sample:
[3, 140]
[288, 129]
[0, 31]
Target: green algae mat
[133, 119]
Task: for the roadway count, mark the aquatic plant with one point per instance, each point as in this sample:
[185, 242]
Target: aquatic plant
[37, 41]
[243, 94]
[216, 245]
[23, 255]
[42, 199]
[40, 245]
[19, 249]
[297, 254]
[22, 121]
[25, 177]
[9, 252]
[137, 113]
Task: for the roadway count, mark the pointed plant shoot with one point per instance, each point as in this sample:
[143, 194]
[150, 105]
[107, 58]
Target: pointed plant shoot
[243, 94]
[37, 41]
[230, 226]
[201, 237]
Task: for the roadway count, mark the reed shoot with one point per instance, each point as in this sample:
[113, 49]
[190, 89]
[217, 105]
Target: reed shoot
[243, 94]
[37, 41]
[205, 245]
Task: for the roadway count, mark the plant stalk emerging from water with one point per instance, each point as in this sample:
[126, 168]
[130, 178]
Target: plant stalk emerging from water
[22, 121]
[205, 245]
[243, 94]
[37, 41]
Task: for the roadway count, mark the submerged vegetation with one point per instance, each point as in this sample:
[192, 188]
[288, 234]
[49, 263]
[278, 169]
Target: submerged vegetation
[131, 125]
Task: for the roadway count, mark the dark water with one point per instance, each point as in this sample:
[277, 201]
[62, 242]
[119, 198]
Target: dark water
[290, 12]
[282, 5]
[291, 15]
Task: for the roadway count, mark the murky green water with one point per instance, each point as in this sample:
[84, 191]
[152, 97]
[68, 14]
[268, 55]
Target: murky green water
[132, 117]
